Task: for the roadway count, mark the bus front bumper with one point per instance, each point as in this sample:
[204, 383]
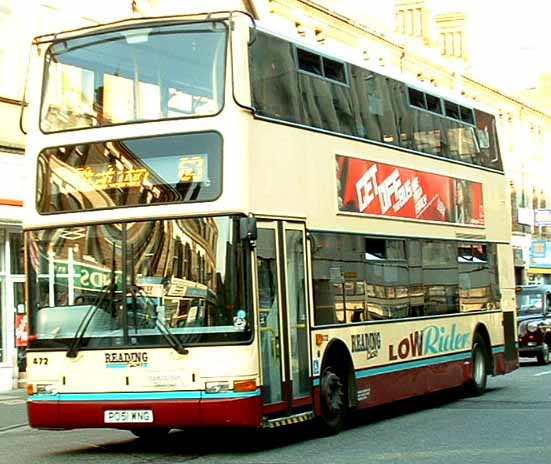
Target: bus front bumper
[70, 411]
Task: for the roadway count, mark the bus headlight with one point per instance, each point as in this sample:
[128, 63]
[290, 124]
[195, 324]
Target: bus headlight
[46, 389]
[217, 387]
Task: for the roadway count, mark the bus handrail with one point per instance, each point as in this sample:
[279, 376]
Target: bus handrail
[24, 96]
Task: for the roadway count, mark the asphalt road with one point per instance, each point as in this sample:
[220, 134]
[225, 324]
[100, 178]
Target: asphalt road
[511, 423]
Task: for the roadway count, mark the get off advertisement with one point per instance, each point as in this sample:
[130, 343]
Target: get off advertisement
[379, 189]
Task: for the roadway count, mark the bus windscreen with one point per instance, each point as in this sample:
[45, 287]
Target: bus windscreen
[131, 75]
[152, 283]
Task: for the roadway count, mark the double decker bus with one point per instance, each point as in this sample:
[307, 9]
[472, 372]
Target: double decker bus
[228, 227]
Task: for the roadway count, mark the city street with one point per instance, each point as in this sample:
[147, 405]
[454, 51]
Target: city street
[510, 423]
[248, 212]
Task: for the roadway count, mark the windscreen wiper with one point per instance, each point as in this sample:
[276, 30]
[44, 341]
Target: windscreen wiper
[172, 339]
[111, 287]
[85, 321]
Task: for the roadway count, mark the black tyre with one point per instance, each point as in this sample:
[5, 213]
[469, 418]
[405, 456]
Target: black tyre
[479, 360]
[543, 355]
[334, 400]
[151, 434]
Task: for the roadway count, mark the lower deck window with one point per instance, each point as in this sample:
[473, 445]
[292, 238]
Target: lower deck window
[358, 278]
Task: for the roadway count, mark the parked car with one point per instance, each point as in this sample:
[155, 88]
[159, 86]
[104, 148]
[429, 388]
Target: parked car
[534, 321]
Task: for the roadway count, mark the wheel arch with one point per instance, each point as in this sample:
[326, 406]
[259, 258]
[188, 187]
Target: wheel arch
[338, 355]
[482, 331]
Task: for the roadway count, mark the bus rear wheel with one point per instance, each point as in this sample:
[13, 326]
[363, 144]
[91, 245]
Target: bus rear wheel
[479, 378]
[334, 400]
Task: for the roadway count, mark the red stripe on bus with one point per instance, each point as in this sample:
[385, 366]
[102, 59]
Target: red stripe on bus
[385, 388]
[239, 412]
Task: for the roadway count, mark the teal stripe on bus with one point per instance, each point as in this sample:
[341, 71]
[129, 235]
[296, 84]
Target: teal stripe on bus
[143, 396]
[390, 368]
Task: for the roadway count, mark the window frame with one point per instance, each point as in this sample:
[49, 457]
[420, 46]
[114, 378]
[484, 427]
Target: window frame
[465, 114]
[416, 266]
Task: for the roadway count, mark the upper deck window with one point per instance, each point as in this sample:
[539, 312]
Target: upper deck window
[452, 110]
[380, 248]
[130, 75]
[424, 100]
[433, 103]
[334, 70]
[466, 115]
[458, 112]
[309, 62]
[321, 66]
[417, 98]
[299, 86]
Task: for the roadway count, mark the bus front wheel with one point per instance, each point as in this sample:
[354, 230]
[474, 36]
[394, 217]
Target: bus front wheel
[333, 400]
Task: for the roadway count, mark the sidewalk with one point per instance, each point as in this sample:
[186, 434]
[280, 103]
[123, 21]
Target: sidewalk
[13, 409]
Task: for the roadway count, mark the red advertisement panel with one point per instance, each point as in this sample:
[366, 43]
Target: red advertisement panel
[381, 189]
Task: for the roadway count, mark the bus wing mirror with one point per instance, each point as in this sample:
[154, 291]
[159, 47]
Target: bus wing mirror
[247, 229]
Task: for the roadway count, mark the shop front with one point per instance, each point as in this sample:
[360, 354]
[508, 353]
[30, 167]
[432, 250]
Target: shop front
[12, 287]
[539, 272]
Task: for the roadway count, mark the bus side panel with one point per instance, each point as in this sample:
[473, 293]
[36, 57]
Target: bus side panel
[395, 361]
[510, 357]
[385, 388]
[375, 390]
[500, 364]
[407, 383]
[508, 304]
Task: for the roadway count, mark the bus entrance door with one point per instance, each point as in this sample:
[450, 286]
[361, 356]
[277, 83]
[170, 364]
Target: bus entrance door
[282, 296]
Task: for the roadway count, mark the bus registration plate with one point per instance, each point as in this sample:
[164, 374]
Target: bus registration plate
[134, 416]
